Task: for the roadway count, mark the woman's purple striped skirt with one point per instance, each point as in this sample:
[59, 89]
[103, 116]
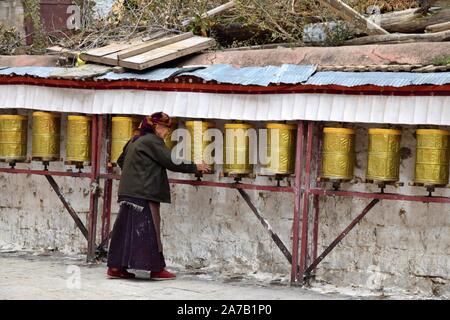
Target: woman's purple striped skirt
[135, 242]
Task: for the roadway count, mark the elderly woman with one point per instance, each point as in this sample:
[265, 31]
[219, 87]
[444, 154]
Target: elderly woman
[136, 237]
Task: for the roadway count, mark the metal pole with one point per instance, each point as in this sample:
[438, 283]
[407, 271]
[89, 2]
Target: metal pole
[297, 196]
[315, 226]
[306, 194]
[340, 237]
[266, 225]
[381, 196]
[107, 189]
[68, 207]
[93, 208]
[316, 200]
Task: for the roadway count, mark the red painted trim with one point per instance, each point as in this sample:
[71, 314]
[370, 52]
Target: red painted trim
[47, 173]
[381, 196]
[212, 87]
[231, 185]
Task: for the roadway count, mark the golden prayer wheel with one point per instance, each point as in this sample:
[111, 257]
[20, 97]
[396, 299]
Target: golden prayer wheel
[46, 136]
[383, 163]
[199, 142]
[338, 153]
[78, 148]
[13, 137]
[237, 149]
[123, 128]
[432, 157]
[281, 151]
[170, 144]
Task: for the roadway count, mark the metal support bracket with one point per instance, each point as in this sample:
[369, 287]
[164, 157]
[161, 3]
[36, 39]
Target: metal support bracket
[68, 207]
[305, 276]
[266, 225]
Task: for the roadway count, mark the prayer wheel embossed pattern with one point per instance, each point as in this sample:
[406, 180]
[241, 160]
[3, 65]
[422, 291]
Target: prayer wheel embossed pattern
[123, 128]
[237, 149]
[432, 157]
[78, 148]
[338, 153]
[281, 152]
[383, 162]
[199, 141]
[46, 136]
[13, 137]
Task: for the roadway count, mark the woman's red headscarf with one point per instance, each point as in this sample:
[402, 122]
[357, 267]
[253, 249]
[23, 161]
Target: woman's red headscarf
[149, 123]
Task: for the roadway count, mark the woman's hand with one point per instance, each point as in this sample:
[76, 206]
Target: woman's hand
[203, 167]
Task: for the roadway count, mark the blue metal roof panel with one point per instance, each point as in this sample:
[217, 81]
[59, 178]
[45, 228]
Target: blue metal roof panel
[40, 72]
[153, 75]
[262, 76]
[394, 79]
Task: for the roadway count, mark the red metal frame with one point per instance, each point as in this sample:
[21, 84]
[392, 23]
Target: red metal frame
[107, 187]
[97, 137]
[297, 199]
[318, 191]
[300, 189]
[306, 195]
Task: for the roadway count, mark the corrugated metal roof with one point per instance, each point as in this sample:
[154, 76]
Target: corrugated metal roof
[223, 73]
[153, 75]
[40, 72]
[394, 79]
[262, 76]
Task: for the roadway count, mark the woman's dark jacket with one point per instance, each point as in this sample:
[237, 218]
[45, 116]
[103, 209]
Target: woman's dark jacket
[144, 163]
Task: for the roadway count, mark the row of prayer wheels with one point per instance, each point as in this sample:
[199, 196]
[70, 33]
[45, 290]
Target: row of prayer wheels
[338, 154]
[237, 161]
[383, 161]
[45, 137]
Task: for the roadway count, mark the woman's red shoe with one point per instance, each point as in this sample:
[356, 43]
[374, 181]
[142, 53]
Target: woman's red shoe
[120, 274]
[162, 275]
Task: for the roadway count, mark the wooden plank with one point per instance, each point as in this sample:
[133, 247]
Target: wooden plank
[438, 27]
[411, 21]
[167, 53]
[212, 12]
[110, 59]
[348, 13]
[147, 46]
[401, 38]
[96, 55]
[62, 51]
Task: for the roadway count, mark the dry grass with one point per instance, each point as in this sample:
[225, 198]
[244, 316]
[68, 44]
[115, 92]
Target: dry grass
[9, 39]
[251, 22]
[384, 5]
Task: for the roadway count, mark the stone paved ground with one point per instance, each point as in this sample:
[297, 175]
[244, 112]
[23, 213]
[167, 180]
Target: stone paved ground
[54, 276]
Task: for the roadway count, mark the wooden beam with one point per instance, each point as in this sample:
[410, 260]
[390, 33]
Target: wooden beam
[411, 21]
[150, 45]
[401, 38]
[438, 27]
[167, 53]
[351, 15]
[103, 54]
[212, 12]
